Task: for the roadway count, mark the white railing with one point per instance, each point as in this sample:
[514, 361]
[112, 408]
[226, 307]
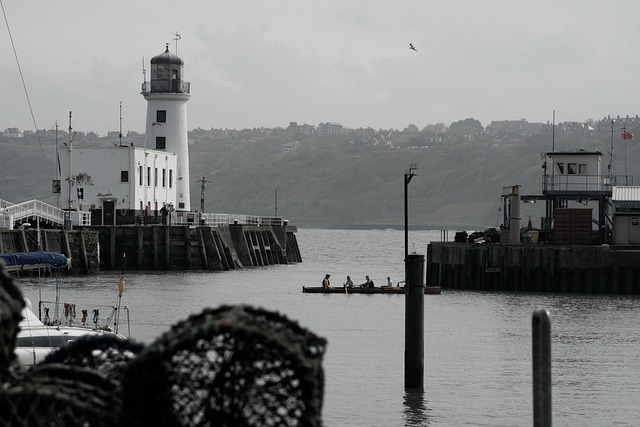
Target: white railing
[31, 209]
[12, 213]
[214, 219]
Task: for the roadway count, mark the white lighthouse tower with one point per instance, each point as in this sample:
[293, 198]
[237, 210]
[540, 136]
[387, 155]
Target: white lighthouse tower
[166, 129]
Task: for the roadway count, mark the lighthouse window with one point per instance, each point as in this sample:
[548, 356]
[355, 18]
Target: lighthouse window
[161, 116]
[161, 142]
[124, 176]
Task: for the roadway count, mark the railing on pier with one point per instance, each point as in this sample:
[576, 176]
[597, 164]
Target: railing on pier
[217, 219]
[12, 213]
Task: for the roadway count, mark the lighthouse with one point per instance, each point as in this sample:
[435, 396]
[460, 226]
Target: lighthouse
[166, 128]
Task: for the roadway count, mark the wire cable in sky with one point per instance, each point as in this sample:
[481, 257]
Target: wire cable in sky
[24, 86]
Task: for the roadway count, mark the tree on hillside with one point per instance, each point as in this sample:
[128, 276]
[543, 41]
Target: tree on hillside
[411, 129]
[467, 123]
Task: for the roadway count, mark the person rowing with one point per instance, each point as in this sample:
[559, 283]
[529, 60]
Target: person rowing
[348, 283]
[368, 284]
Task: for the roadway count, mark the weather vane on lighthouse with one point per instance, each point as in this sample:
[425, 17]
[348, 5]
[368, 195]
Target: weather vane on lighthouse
[176, 38]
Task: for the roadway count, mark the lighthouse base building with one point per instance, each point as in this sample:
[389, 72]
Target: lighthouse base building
[122, 185]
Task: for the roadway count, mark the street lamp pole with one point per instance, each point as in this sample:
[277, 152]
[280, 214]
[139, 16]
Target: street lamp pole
[414, 302]
[407, 178]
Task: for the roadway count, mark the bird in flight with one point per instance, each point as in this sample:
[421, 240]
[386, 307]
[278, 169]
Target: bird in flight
[412, 48]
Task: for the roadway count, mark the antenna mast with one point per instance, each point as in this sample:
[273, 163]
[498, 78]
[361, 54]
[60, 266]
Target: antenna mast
[144, 77]
[203, 184]
[120, 133]
[553, 132]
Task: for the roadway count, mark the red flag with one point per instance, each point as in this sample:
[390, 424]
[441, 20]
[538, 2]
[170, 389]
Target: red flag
[627, 136]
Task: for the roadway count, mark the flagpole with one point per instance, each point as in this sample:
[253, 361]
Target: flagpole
[626, 177]
[611, 155]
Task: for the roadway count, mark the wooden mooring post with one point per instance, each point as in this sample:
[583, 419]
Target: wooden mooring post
[414, 322]
[541, 349]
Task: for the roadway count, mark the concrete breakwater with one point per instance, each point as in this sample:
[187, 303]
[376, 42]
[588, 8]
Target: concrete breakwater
[534, 268]
[160, 247]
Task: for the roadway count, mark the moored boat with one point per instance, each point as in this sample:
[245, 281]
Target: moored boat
[37, 339]
[428, 290]
[58, 323]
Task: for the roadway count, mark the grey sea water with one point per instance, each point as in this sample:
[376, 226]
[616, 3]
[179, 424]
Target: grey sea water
[477, 345]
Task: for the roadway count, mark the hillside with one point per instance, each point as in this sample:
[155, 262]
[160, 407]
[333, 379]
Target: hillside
[334, 182]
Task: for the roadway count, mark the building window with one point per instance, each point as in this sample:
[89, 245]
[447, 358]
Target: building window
[124, 176]
[560, 167]
[582, 168]
[164, 177]
[572, 168]
[161, 116]
[155, 177]
[161, 142]
[148, 176]
[170, 178]
[181, 205]
[141, 179]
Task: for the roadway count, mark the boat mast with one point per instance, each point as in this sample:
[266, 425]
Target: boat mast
[57, 172]
[68, 225]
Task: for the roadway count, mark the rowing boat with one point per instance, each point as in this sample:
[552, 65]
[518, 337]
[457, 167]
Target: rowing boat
[428, 290]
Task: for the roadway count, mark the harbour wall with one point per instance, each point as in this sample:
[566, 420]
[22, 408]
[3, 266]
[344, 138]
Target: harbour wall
[534, 268]
[161, 247]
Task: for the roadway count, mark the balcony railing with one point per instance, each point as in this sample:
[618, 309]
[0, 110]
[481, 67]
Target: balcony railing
[166, 86]
[578, 182]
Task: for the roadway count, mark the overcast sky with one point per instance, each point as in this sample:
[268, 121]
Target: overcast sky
[267, 63]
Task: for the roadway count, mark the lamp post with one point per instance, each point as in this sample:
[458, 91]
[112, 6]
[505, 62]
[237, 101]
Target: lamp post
[407, 178]
[414, 302]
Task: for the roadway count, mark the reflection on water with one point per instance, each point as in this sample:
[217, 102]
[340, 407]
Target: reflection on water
[416, 413]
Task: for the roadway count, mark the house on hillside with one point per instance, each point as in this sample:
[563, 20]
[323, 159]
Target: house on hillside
[329, 128]
[12, 133]
[509, 129]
